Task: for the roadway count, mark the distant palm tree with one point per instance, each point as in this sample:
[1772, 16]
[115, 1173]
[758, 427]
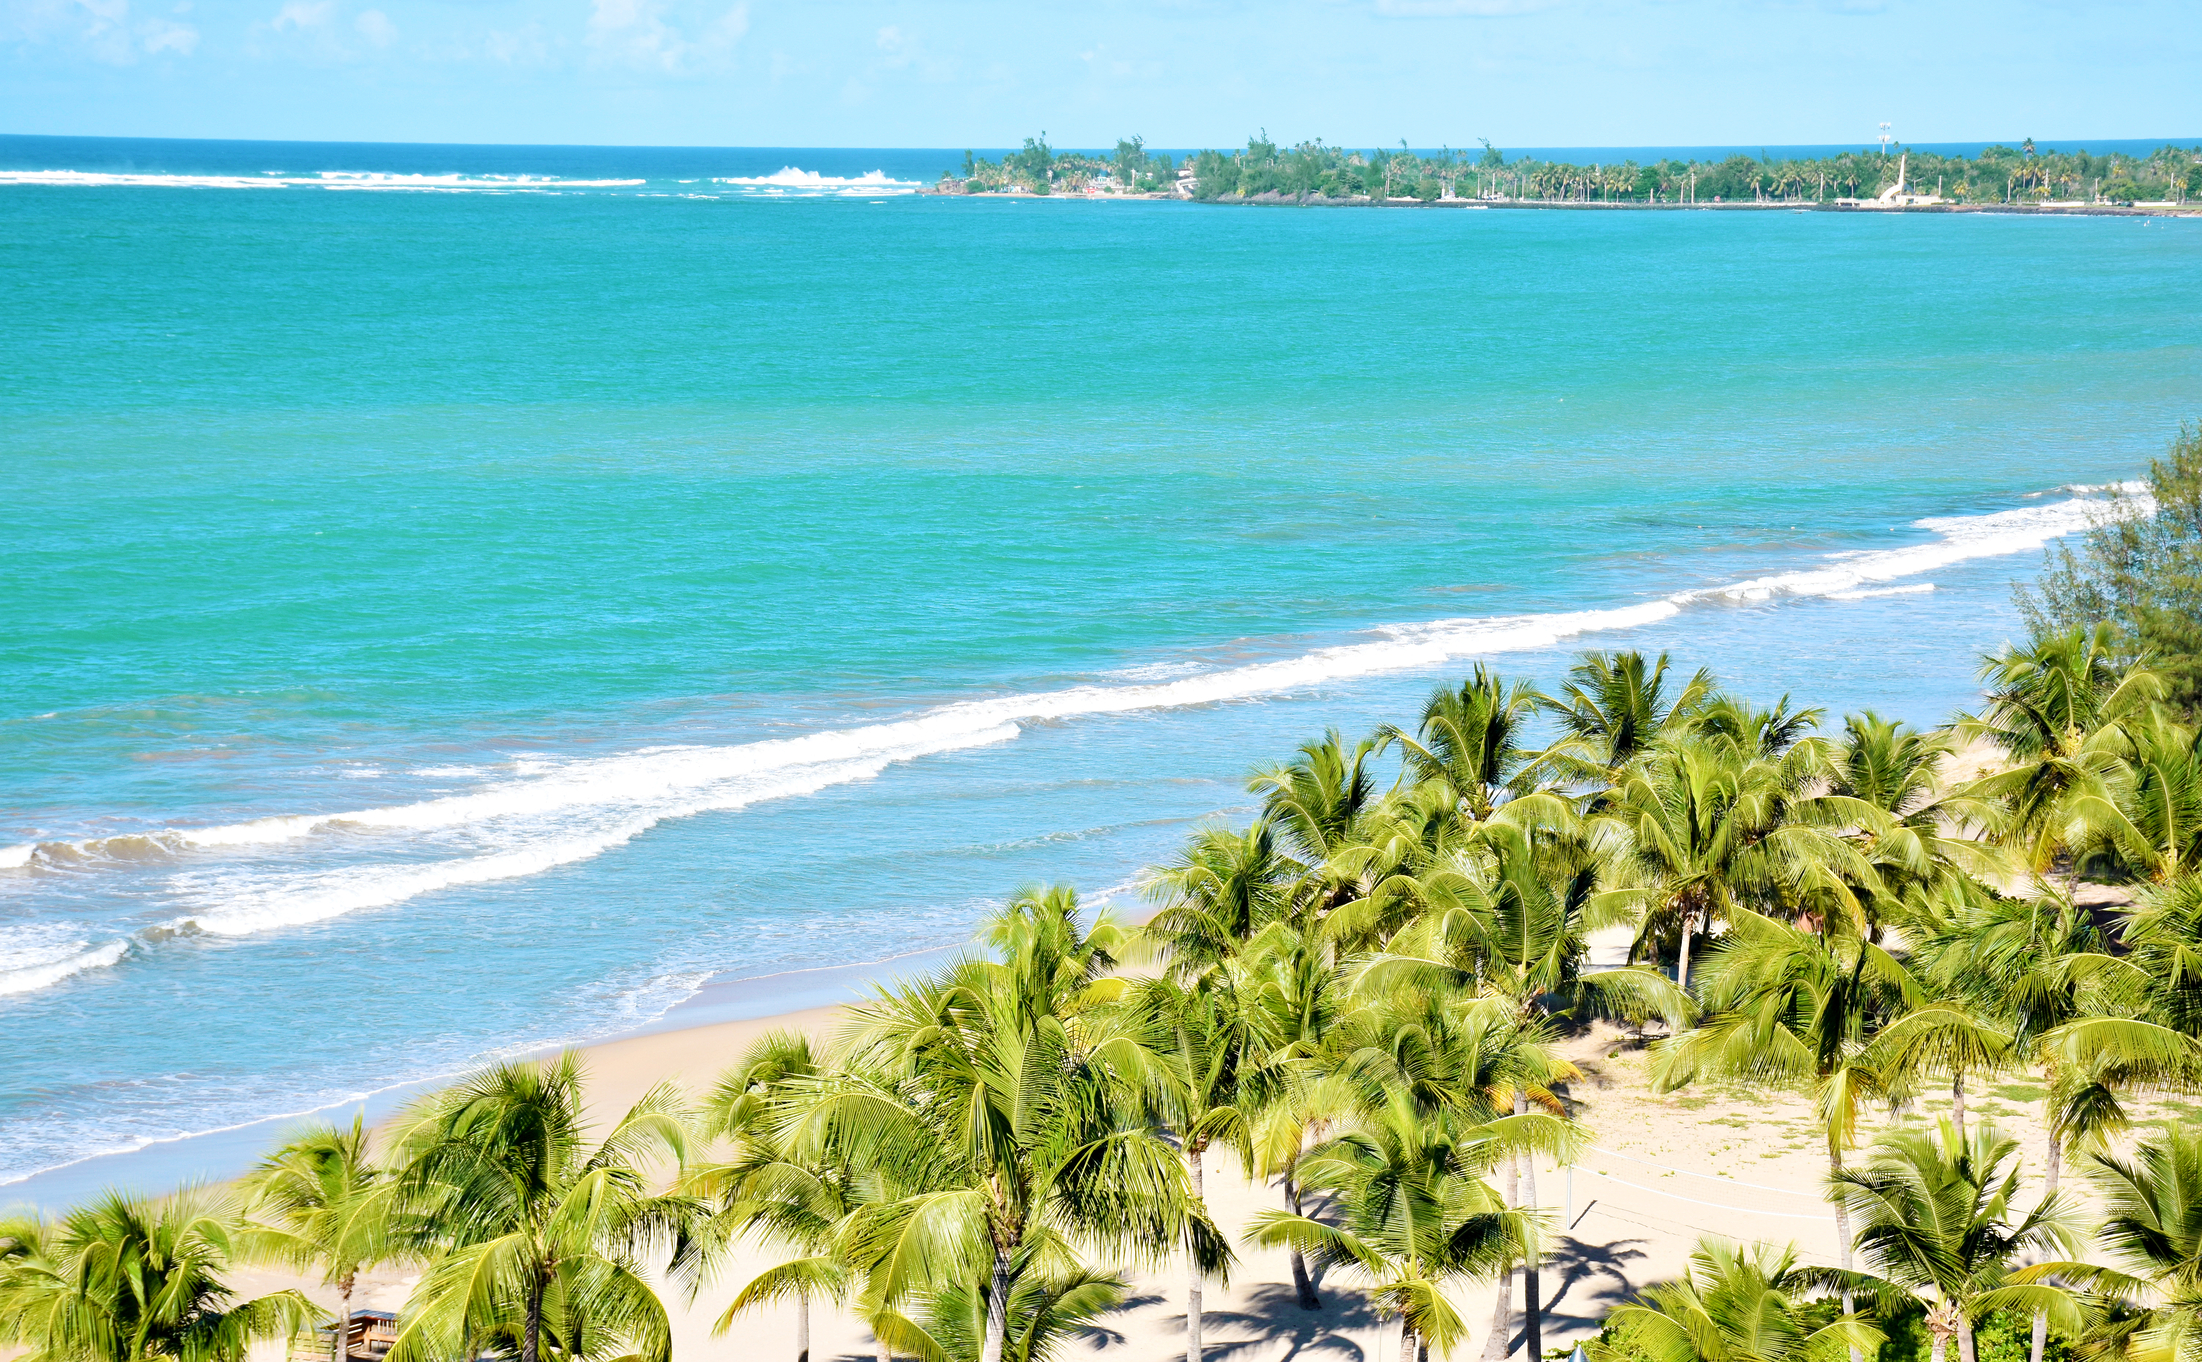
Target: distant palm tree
[321, 1200]
[1469, 742]
[1703, 826]
[1733, 1305]
[125, 1280]
[536, 1236]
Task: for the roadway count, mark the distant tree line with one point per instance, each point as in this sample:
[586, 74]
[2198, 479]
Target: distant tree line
[1038, 168]
[2000, 174]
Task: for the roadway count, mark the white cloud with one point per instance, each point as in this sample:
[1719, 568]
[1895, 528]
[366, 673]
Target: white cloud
[638, 33]
[163, 35]
[375, 27]
[304, 14]
[905, 50]
[527, 45]
[109, 35]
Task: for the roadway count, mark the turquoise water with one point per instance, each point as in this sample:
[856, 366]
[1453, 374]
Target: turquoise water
[442, 623]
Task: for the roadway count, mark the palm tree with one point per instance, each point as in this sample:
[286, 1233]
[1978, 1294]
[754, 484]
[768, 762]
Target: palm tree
[1219, 891]
[1469, 741]
[1615, 705]
[1417, 1212]
[1316, 800]
[1785, 1005]
[2154, 823]
[1733, 1305]
[1047, 1309]
[125, 1280]
[536, 1235]
[2061, 711]
[1899, 772]
[2153, 1227]
[802, 1204]
[1704, 827]
[321, 1199]
[1007, 1107]
[1216, 1043]
[1935, 1218]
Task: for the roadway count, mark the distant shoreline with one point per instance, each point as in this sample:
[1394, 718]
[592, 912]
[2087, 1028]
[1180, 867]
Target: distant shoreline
[1273, 200]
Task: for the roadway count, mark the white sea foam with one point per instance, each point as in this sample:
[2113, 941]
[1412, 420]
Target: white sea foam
[27, 966]
[327, 179]
[794, 179]
[1875, 593]
[549, 812]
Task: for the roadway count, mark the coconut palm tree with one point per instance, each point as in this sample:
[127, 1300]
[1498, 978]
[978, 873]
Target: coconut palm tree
[1047, 1310]
[1935, 1218]
[1702, 827]
[321, 1200]
[1316, 800]
[1900, 772]
[1216, 1040]
[127, 1280]
[1007, 1105]
[804, 1205]
[1417, 1212]
[1469, 741]
[2062, 712]
[1219, 891]
[536, 1236]
[1784, 1005]
[2152, 1226]
[1615, 705]
[1733, 1305]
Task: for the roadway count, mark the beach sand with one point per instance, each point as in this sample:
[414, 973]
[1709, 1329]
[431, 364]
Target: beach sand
[1711, 1160]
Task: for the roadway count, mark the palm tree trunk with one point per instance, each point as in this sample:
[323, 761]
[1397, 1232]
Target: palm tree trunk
[1192, 1268]
[1842, 1236]
[1682, 960]
[1957, 1112]
[1300, 1283]
[1498, 1345]
[2053, 1165]
[531, 1340]
[1964, 1339]
[1532, 1279]
[997, 1308]
[1941, 1349]
[1406, 1341]
[802, 1327]
[344, 1321]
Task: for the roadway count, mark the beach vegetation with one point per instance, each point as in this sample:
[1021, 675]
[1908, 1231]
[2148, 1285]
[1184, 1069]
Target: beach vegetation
[1359, 996]
[2139, 569]
[124, 1279]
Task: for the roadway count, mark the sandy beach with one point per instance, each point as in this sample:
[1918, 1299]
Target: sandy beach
[1715, 1159]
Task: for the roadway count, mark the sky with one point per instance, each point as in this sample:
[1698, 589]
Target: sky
[1181, 73]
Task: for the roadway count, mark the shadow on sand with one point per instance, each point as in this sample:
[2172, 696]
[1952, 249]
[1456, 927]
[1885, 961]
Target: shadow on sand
[1271, 1315]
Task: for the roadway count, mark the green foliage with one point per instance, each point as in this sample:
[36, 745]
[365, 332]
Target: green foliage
[2141, 570]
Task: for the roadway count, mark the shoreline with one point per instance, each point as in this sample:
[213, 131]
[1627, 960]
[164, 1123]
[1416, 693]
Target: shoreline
[730, 1009]
[1275, 200]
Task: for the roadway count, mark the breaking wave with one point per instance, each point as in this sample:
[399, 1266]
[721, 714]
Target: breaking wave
[546, 814]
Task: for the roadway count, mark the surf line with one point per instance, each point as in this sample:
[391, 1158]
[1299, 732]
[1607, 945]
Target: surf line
[632, 792]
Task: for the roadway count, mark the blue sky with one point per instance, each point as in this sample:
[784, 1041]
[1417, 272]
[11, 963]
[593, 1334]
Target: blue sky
[951, 73]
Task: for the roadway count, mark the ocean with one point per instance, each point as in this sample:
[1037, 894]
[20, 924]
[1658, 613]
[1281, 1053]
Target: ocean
[465, 600]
